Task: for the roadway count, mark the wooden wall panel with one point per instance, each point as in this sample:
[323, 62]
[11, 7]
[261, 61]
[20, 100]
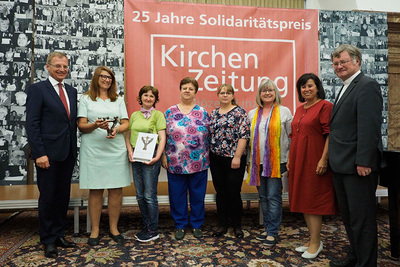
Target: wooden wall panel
[394, 81]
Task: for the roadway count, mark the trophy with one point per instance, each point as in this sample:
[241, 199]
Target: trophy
[146, 141]
[114, 123]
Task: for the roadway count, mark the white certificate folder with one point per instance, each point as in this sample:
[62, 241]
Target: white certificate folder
[145, 145]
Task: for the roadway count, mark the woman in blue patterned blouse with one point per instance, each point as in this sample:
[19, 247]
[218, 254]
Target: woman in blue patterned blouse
[230, 130]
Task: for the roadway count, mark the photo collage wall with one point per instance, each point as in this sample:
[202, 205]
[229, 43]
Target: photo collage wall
[367, 31]
[91, 33]
[16, 29]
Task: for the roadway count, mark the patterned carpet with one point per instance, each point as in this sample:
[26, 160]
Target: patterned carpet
[19, 243]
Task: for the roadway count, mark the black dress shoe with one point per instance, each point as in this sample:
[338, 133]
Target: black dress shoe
[93, 241]
[238, 232]
[220, 232]
[343, 263]
[64, 243]
[118, 238]
[50, 251]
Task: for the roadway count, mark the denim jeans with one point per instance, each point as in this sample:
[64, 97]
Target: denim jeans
[145, 178]
[270, 193]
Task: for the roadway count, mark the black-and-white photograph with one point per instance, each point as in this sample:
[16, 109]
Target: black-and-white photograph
[91, 33]
[16, 29]
[367, 31]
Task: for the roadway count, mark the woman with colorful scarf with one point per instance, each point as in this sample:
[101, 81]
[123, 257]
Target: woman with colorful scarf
[311, 189]
[145, 174]
[230, 131]
[269, 148]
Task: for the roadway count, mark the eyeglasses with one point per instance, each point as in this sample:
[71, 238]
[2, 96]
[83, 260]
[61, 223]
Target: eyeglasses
[65, 67]
[267, 90]
[341, 63]
[225, 93]
[105, 77]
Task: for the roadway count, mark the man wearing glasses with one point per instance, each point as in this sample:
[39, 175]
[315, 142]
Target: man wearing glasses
[355, 153]
[51, 128]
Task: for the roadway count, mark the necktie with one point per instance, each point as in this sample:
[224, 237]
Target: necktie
[63, 99]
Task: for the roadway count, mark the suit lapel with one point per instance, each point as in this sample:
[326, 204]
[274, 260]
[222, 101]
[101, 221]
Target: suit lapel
[56, 97]
[346, 94]
[71, 98]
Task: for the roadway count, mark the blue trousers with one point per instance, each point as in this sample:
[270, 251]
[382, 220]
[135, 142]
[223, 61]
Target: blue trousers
[179, 185]
[145, 178]
[270, 192]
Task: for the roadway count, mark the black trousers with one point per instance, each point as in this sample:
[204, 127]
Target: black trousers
[357, 205]
[54, 186]
[228, 184]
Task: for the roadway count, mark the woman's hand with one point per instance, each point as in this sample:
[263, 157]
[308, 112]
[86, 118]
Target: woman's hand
[152, 161]
[322, 167]
[130, 155]
[287, 165]
[101, 124]
[164, 161]
[235, 164]
[113, 134]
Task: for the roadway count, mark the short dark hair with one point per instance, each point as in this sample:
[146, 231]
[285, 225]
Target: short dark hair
[189, 80]
[303, 80]
[144, 90]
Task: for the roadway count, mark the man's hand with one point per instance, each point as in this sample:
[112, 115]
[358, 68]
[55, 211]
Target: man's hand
[43, 162]
[363, 171]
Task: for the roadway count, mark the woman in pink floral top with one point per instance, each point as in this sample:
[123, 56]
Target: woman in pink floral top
[186, 159]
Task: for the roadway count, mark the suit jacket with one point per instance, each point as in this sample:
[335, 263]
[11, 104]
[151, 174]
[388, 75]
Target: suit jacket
[49, 130]
[355, 127]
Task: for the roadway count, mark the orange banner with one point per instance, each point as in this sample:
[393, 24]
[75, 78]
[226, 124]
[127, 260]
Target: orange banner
[215, 44]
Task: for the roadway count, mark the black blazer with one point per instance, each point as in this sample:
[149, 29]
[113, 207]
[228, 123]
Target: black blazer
[49, 130]
[355, 127]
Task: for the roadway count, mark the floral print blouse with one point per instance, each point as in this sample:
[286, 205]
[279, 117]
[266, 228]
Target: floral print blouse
[187, 140]
[226, 130]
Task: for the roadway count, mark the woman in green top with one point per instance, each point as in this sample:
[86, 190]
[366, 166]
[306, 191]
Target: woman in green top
[145, 175]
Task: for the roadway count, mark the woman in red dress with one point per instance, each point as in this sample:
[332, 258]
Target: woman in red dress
[311, 189]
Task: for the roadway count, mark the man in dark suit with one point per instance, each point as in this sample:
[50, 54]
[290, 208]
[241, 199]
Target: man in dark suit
[355, 153]
[51, 128]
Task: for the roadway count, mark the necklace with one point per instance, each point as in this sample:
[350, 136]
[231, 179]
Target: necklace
[312, 104]
[185, 109]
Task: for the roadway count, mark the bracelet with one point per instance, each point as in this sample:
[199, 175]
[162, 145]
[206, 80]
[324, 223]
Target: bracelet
[117, 130]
